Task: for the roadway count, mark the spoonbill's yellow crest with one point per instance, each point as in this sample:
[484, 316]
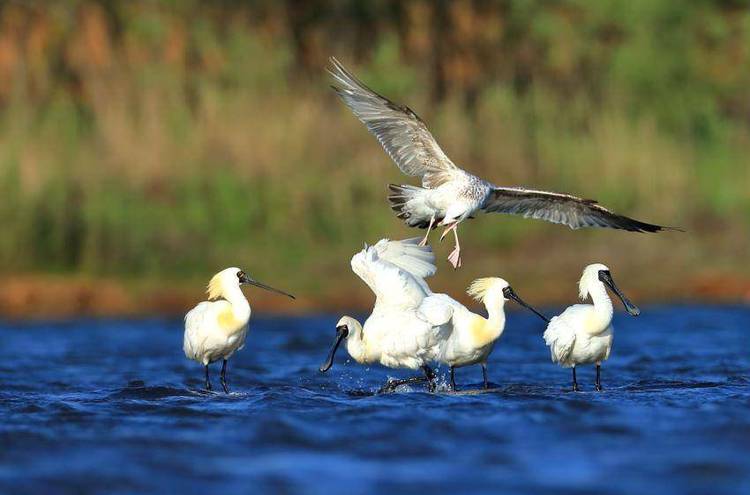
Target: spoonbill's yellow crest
[468, 337]
[216, 328]
[449, 195]
[583, 333]
[393, 335]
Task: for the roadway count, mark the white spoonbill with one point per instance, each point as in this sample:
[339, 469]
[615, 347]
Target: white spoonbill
[449, 195]
[583, 333]
[216, 328]
[469, 337]
[393, 335]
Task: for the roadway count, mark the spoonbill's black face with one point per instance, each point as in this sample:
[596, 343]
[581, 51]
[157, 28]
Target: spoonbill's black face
[245, 279]
[509, 293]
[342, 332]
[606, 278]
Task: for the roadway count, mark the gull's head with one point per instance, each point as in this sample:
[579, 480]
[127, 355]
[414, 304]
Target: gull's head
[597, 273]
[230, 279]
[345, 327]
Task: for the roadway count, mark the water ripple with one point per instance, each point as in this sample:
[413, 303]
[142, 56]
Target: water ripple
[118, 399]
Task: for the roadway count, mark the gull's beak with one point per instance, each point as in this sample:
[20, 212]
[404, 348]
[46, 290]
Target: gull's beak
[509, 293]
[341, 333]
[606, 277]
[247, 280]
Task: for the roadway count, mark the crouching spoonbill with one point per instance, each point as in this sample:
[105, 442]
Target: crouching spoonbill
[216, 328]
[449, 195]
[469, 337]
[583, 333]
[393, 335]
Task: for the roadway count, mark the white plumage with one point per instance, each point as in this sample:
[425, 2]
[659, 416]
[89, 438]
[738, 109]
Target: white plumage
[206, 339]
[410, 327]
[583, 334]
[216, 329]
[469, 338]
[393, 335]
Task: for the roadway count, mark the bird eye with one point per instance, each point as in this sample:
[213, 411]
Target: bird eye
[343, 329]
[240, 274]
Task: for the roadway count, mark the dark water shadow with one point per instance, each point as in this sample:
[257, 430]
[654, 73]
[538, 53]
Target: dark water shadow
[138, 390]
[666, 385]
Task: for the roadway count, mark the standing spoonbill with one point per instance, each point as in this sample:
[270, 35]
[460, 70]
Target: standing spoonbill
[216, 328]
[583, 333]
[470, 338]
[449, 195]
[393, 335]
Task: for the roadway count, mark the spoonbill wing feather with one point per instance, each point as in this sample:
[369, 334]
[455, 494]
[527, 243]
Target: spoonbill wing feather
[408, 255]
[391, 285]
[560, 338]
[403, 135]
[561, 208]
[194, 324]
[436, 309]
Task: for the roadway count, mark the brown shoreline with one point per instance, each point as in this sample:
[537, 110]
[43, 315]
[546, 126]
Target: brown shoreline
[43, 296]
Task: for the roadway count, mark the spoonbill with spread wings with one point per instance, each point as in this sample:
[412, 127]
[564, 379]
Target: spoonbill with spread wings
[393, 335]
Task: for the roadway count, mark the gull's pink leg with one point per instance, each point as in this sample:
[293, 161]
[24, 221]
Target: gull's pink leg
[424, 241]
[455, 257]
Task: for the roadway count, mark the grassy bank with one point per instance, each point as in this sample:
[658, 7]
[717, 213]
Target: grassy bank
[159, 142]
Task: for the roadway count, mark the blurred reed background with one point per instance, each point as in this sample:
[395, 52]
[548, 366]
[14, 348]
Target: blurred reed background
[146, 144]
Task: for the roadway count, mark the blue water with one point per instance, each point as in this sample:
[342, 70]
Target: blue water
[112, 406]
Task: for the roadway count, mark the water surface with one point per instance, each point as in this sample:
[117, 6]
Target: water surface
[112, 406]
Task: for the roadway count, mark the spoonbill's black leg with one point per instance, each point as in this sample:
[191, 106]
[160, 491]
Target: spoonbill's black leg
[392, 384]
[208, 381]
[224, 377]
[575, 383]
[484, 376]
[453, 379]
[430, 375]
[598, 377]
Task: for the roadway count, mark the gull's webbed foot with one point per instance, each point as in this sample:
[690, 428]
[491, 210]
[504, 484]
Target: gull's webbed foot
[455, 258]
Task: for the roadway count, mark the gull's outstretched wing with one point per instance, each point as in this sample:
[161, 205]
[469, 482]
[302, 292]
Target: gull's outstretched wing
[400, 131]
[561, 208]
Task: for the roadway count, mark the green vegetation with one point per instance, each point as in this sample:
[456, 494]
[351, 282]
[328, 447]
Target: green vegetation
[169, 139]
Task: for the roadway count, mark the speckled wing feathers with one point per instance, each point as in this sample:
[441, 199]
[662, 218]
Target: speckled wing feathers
[399, 130]
[560, 208]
